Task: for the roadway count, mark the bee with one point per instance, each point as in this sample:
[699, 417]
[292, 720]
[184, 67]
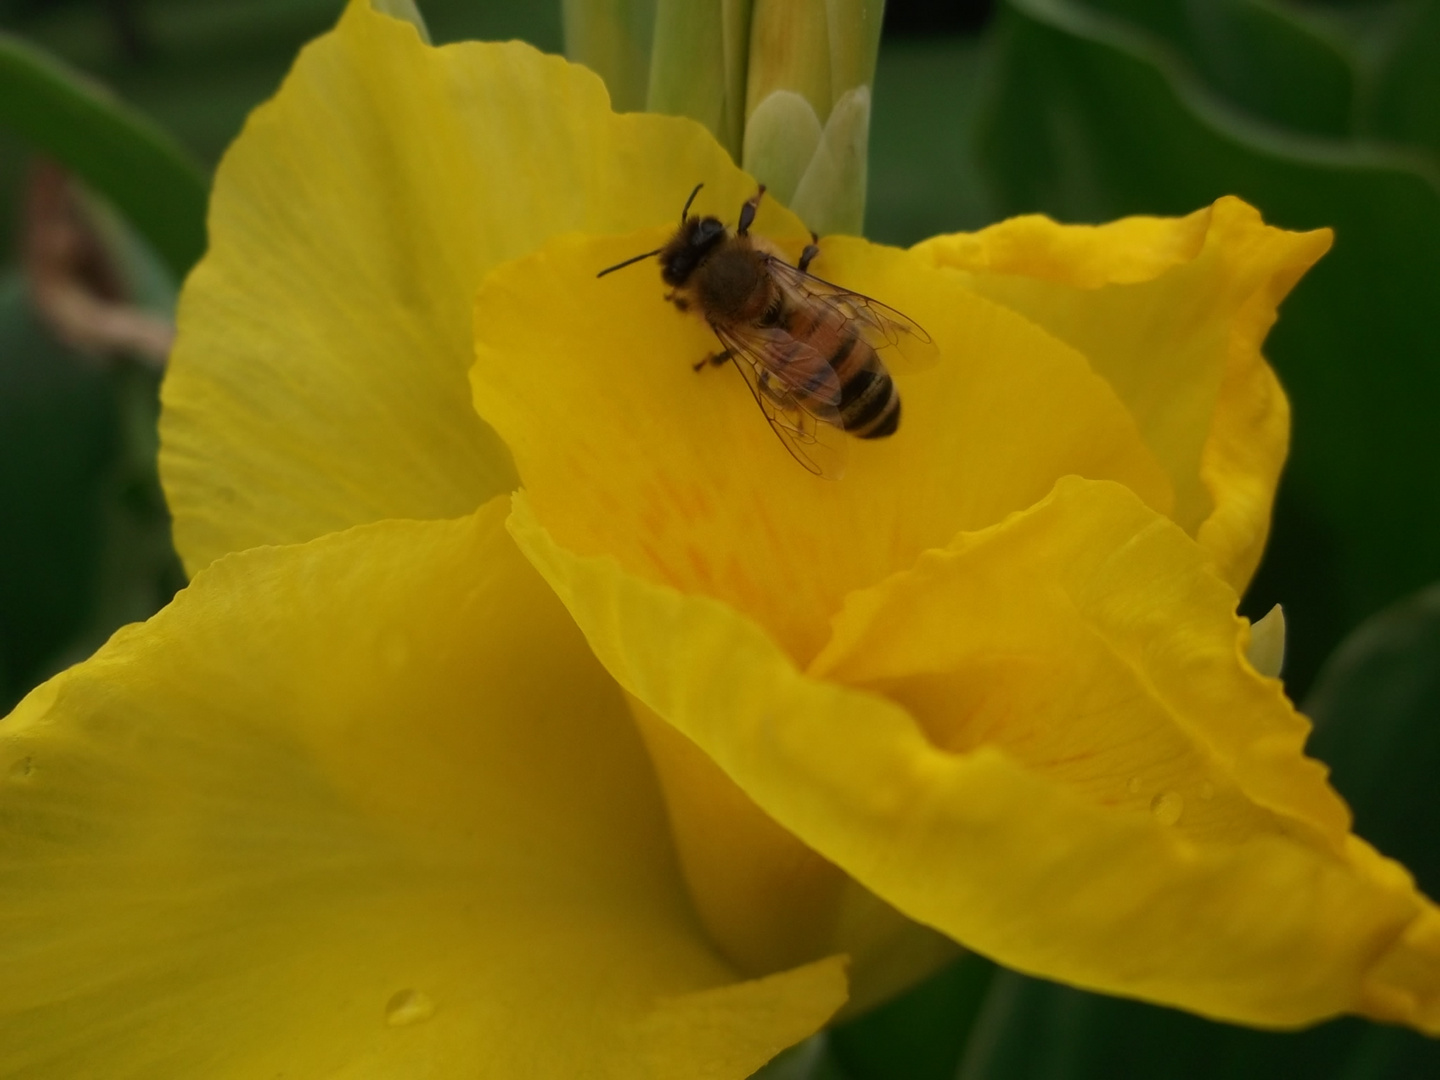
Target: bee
[809, 350]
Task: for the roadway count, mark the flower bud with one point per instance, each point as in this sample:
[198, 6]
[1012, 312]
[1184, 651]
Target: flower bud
[807, 127]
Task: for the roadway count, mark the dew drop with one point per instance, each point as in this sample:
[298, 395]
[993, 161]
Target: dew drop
[1207, 791]
[407, 1007]
[1134, 784]
[1167, 807]
[22, 768]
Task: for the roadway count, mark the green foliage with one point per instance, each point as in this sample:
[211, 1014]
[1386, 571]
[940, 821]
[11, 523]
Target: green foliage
[85, 542]
[1376, 708]
[921, 1034]
[1040, 1031]
[119, 152]
[1401, 102]
[923, 183]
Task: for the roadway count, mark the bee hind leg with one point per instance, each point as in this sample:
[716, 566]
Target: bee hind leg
[714, 359]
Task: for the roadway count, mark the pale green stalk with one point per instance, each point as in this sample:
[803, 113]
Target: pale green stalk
[613, 38]
[807, 130]
[784, 85]
[694, 68]
[406, 11]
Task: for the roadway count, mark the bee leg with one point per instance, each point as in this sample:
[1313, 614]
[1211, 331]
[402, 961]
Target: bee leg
[811, 250]
[714, 358]
[747, 212]
[678, 300]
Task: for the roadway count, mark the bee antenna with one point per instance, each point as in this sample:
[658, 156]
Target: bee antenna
[690, 200]
[627, 262]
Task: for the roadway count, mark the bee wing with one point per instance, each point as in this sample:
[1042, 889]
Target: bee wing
[908, 347]
[800, 402]
[789, 363]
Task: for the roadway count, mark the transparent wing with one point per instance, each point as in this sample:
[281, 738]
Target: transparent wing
[798, 399]
[908, 347]
[789, 363]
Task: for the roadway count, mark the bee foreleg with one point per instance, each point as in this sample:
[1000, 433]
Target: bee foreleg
[715, 359]
[678, 300]
[811, 250]
[747, 212]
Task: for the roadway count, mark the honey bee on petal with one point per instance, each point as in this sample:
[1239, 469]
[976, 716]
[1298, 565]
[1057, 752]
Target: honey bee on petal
[809, 350]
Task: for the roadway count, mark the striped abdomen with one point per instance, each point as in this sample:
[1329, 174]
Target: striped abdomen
[869, 402]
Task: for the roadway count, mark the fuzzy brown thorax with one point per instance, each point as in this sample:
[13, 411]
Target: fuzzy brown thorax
[731, 285]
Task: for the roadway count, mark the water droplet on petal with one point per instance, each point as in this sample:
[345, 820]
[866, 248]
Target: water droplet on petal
[408, 1007]
[1134, 785]
[1167, 807]
[1207, 791]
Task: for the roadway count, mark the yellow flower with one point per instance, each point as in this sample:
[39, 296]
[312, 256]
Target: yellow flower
[375, 797]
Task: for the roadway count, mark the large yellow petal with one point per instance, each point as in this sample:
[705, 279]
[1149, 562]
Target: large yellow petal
[364, 807]
[1172, 312]
[626, 451]
[1223, 882]
[1097, 648]
[767, 899]
[318, 380]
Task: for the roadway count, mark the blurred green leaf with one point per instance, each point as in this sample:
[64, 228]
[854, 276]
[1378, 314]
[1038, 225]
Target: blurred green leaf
[116, 150]
[613, 39]
[921, 1034]
[1376, 707]
[1091, 117]
[1403, 102]
[810, 1060]
[84, 535]
[924, 177]
[205, 66]
[56, 432]
[1042, 1031]
[1377, 715]
[1262, 57]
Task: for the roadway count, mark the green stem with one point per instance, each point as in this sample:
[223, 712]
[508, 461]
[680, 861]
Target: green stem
[697, 66]
[613, 38]
[784, 85]
[807, 130]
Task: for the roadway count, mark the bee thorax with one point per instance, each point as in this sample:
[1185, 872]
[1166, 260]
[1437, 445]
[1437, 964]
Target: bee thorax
[732, 285]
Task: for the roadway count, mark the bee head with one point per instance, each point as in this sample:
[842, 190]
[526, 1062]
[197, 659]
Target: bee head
[696, 238]
[689, 247]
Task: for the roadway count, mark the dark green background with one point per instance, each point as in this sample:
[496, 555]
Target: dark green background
[1319, 114]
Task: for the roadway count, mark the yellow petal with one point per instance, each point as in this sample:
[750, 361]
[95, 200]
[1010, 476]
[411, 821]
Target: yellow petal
[1097, 649]
[318, 380]
[625, 450]
[1172, 312]
[1025, 839]
[766, 899]
[364, 807]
